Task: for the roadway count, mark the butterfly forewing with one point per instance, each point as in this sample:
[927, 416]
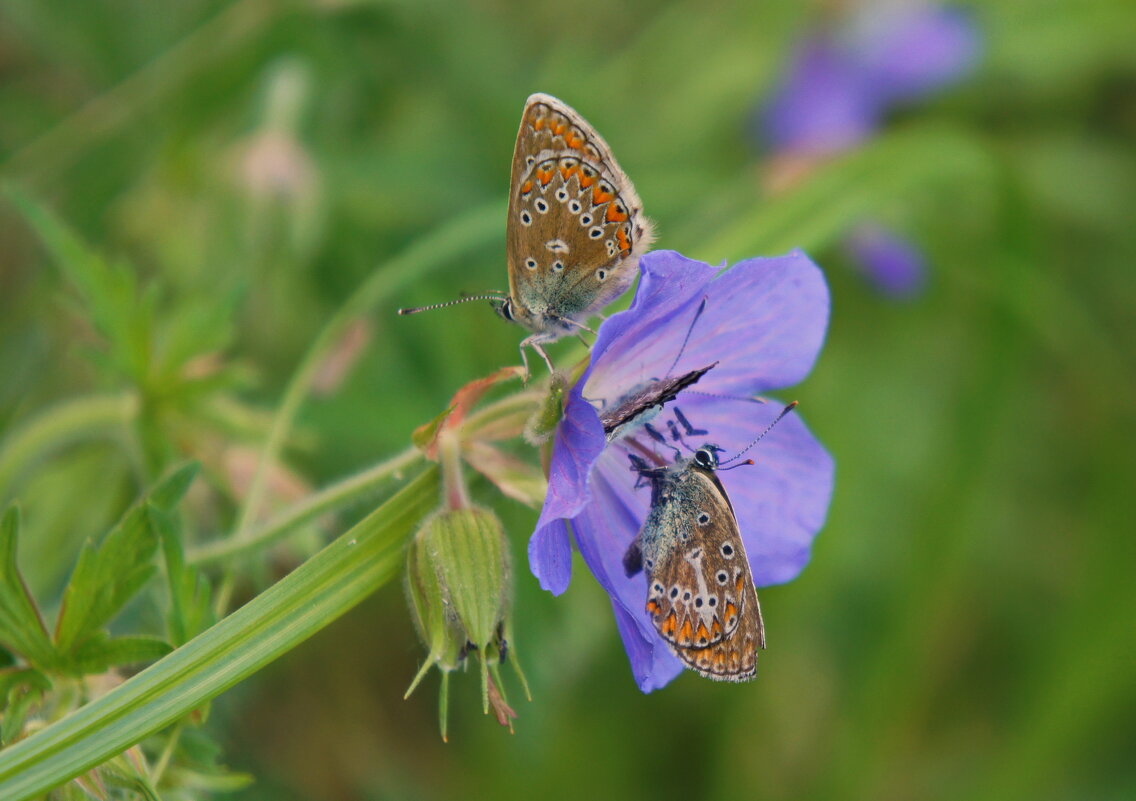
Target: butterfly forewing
[700, 592]
[575, 227]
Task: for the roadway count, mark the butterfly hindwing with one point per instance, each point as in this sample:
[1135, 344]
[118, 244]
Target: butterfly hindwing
[701, 597]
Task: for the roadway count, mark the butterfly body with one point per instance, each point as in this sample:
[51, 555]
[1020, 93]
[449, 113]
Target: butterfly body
[700, 592]
[575, 229]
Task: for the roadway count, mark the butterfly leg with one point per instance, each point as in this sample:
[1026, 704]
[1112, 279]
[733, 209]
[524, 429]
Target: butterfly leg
[534, 343]
[658, 436]
[691, 431]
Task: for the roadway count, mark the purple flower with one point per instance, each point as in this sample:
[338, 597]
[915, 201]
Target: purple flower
[763, 323]
[890, 261]
[840, 84]
[823, 106]
[911, 51]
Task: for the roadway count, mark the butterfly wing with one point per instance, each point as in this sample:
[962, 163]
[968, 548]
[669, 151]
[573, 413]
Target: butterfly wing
[575, 228]
[701, 596]
[641, 405]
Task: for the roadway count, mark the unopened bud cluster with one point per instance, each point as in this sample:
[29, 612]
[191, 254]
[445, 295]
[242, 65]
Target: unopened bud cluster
[459, 583]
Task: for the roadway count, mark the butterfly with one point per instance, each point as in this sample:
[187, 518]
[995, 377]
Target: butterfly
[641, 405]
[700, 592]
[575, 229]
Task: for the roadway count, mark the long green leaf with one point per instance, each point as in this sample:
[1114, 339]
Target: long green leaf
[307, 600]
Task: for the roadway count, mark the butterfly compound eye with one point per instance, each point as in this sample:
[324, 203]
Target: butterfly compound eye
[706, 459]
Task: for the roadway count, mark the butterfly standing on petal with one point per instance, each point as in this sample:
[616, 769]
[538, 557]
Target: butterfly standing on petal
[575, 229]
[700, 592]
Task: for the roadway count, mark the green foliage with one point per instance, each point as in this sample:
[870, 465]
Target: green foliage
[307, 600]
[118, 308]
[184, 257]
[147, 341]
[21, 627]
[20, 690]
[106, 577]
[190, 611]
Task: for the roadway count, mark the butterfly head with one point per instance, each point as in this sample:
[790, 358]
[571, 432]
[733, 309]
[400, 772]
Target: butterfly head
[510, 311]
[706, 457]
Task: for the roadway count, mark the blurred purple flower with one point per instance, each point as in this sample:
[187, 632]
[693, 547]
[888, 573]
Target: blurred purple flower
[840, 84]
[912, 50]
[763, 322]
[892, 262]
[823, 106]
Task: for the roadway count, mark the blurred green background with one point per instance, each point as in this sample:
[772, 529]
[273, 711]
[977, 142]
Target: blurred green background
[967, 627]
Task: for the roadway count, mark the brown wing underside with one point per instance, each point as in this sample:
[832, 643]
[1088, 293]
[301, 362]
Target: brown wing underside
[701, 596]
[574, 218]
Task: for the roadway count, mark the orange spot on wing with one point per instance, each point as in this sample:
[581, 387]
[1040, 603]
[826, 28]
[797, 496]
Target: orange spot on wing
[686, 634]
[573, 141]
[669, 625]
[586, 180]
[559, 127]
[703, 633]
[567, 170]
[599, 196]
[741, 584]
[731, 612]
[614, 214]
[544, 176]
[624, 241]
[526, 187]
[653, 606]
[539, 123]
[716, 629]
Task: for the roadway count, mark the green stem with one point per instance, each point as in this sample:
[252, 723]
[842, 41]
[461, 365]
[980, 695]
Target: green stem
[332, 497]
[304, 602]
[462, 235]
[82, 418]
[453, 481]
[61, 145]
[505, 412]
